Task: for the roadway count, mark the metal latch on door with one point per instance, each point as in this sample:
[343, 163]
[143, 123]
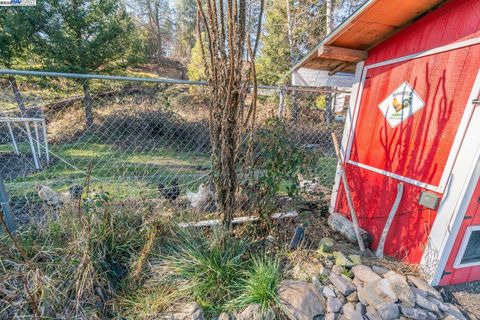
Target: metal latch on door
[476, 102]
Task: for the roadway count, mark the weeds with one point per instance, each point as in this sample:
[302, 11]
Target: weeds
[211, 269]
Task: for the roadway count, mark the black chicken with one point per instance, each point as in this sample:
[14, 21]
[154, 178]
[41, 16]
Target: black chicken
[171, 192]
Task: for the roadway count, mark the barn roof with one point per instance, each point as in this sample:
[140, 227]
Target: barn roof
[372, 23]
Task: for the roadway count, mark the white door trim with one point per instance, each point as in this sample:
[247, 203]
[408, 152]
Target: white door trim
[458, 137]
[463, 179]
[347, 129]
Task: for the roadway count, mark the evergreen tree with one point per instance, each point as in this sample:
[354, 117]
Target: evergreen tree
[16, 32]
[274, 59]
[84, 36]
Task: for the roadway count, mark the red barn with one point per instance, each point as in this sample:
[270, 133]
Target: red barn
[414, 118]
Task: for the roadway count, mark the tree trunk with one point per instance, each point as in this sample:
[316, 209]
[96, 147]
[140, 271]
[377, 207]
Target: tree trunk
[87, 102]
[17, 95]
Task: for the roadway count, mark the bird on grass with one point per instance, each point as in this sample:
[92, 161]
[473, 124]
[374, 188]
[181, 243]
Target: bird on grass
[58, 199]
[170, 192]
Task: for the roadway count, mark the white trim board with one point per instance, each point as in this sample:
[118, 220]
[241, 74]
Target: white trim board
[460, 131]
[458, 260]
[346, 130]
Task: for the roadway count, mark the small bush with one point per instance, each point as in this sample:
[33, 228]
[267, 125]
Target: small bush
[260, 284]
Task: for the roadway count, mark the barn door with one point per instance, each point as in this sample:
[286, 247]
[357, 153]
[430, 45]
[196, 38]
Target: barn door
[463, 262]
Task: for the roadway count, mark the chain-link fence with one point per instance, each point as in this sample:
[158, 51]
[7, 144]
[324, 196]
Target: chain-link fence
[139, 139]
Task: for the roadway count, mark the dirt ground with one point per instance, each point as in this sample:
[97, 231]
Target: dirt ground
[467, 295]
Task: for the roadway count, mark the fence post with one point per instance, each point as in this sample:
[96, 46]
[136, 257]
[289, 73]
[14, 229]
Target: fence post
[281, 104]
[7, 213]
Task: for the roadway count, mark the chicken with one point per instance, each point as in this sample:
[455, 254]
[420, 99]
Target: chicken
[58, 199]
[202, 198]
[170, 193]
[49, 196]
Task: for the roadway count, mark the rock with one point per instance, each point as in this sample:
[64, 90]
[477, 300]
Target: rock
[326, 245]
[329, 263]
[344, 285]
[357, 282]
[342, 260]
[317, 284]
[376, 293]
[361, 307]
[419, 291]
[223, 316]
[355, 259]
[345, 227]
[432, 316]
[441, 306]
[328, 292]
[388, 311]
[301, 299]
[305, 270]
[338, 269]
[453, 311]
[352, 297]
[331, 316]
[251, 312]
[372, 314]
[400, 286]
[379, 270]
[189, 311]
[334, 305]
[413, 313]
[351, 313]
[365, 274]
[426, 304]
[421, 284]
[385, 291]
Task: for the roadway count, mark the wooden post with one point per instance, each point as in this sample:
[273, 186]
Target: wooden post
[349, 197]
[14, 142]
[281, 104]
[5, 207]
[37, 138]
[30, 140]
[45, 141]
[393, 211]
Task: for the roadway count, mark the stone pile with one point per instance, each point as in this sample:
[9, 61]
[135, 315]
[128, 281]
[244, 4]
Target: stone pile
[340, 287]
[356, 291]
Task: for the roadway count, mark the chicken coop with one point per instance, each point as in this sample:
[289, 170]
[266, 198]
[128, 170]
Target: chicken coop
[414, 121]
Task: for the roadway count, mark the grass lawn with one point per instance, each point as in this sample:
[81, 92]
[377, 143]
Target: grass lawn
[126, 172]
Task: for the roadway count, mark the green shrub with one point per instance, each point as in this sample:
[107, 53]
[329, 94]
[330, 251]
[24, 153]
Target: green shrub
[278, 161]
[260, 284]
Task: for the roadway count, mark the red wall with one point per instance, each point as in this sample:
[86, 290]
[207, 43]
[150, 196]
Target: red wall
[418, 148]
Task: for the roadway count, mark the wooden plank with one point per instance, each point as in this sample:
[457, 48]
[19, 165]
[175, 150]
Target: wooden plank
[239, 220]
[342, 54]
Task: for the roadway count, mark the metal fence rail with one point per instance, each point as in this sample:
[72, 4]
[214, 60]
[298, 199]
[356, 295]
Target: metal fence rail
[133, 134]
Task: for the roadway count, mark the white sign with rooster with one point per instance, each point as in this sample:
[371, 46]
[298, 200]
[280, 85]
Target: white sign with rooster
[401, 104]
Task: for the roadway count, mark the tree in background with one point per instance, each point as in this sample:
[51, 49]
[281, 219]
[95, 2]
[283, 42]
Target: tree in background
[185, 20]
[16, 32]
[84, 36]
[155, 18]
[195, 68]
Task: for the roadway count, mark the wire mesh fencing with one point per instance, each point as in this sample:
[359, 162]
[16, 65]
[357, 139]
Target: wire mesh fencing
[144, 140]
